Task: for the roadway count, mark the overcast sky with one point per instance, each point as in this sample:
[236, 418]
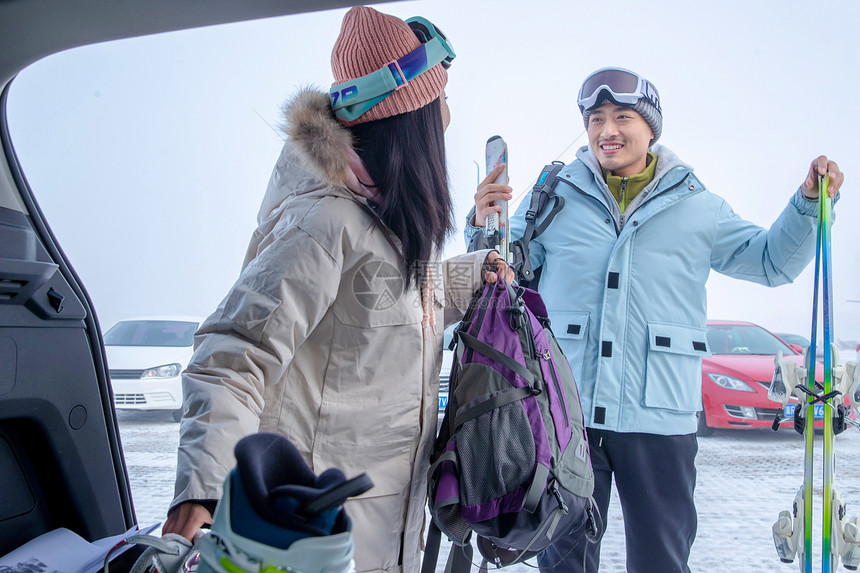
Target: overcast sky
[150, 156]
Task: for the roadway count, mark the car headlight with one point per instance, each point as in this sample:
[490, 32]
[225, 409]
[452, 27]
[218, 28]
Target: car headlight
[166, 371]
[730, 383]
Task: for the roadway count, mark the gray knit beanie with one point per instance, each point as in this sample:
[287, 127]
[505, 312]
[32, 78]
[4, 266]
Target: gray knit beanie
[649, 112]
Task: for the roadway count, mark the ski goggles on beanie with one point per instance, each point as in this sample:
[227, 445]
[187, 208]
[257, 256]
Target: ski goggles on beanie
[622, 86]
[351, 99]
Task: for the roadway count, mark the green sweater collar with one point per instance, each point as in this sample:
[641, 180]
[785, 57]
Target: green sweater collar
[624, 189]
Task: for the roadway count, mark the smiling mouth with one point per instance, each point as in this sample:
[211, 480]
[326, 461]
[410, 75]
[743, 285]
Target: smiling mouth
[611, 146]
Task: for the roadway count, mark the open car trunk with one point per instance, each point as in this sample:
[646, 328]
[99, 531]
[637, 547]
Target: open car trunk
[61, 462]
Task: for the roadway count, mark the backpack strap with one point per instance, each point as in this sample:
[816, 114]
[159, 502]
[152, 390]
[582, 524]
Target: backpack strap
[431, 548]
[542, 193]
[494, 403]
[535, 491]
[446, 457]
[460, 559]
[503, 359]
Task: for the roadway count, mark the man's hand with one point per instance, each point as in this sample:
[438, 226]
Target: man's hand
[186, 520]
[495, 266]
[487, 193]
[822, 166]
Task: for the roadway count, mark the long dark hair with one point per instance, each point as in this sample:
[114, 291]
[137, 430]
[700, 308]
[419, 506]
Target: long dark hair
[405, 156]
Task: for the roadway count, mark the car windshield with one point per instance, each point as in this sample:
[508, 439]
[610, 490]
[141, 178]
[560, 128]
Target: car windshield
[151, 333]
[744, 339]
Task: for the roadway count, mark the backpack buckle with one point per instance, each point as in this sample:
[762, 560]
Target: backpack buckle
[518, 316]
[592, 530]
[553, 488]
[455, 337]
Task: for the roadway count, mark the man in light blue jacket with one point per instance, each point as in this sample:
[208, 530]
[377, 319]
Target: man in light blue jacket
[624, 266]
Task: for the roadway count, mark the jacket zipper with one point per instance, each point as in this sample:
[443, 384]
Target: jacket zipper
[623, 201]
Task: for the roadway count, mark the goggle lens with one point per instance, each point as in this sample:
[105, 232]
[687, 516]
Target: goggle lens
[425, 31]
[619, 81]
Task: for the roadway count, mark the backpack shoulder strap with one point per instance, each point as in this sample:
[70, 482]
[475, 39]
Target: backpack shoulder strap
[542, 193]
[431, 548]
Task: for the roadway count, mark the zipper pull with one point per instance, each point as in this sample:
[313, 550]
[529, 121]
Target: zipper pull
[545, 354]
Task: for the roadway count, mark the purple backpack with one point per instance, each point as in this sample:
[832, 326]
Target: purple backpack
[511, 461]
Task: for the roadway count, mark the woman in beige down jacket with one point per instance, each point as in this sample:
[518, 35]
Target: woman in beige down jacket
[332, 335]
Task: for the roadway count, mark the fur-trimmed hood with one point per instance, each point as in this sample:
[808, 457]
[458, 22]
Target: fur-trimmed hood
[318, 155]
[322, 142]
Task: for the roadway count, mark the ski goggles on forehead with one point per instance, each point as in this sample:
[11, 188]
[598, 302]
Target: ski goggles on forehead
[351, 99]
[623, 86]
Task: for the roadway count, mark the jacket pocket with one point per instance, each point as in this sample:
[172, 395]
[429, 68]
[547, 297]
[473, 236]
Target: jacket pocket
[246, 312]
[570, 328]
[673, 374]
[569, 324]
[386, 463]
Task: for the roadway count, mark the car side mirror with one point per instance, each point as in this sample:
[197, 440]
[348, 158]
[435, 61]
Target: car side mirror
[798, 349]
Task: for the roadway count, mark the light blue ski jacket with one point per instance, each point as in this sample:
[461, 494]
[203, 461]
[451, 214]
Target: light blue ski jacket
[626, 293]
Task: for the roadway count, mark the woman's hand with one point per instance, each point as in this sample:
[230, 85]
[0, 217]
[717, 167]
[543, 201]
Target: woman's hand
[186, 519]
[495, 266]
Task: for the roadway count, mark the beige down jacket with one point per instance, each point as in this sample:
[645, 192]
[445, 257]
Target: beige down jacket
[318, 341]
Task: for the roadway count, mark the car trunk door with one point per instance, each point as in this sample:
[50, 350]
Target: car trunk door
[60, 454]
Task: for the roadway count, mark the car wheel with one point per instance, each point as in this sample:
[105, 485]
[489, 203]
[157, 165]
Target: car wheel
[702, 428]
[177, 415]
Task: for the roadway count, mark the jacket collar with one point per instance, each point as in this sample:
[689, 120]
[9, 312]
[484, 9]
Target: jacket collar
[585, 173]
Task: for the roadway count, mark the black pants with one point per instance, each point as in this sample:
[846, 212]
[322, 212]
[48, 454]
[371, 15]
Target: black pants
[655, 477]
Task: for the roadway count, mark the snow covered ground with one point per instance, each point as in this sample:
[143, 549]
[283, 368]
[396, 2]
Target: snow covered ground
[745, 478]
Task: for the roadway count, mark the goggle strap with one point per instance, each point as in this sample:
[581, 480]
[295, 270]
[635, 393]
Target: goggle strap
[356, 110]
[402, 80]
[353, 98]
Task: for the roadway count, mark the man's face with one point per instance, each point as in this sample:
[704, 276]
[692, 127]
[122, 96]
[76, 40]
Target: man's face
[619, 138]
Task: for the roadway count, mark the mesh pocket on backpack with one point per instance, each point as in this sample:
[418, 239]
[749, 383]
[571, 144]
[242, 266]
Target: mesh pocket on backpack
[452, 524]
[496, 453]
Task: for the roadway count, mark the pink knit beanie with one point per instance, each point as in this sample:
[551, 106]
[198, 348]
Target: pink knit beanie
[369, 40]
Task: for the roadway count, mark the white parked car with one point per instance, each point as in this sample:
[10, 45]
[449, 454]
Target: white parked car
[146, 357]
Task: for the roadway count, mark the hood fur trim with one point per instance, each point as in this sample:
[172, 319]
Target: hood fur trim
[324, 144]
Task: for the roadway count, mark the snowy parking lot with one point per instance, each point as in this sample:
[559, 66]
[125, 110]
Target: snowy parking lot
[745, 478]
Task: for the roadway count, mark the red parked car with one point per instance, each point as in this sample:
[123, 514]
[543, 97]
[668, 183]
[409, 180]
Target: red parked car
[737, 375]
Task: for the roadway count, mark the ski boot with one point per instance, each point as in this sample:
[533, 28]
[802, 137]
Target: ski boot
[168, 554]
[788, 530]
[276, 515]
